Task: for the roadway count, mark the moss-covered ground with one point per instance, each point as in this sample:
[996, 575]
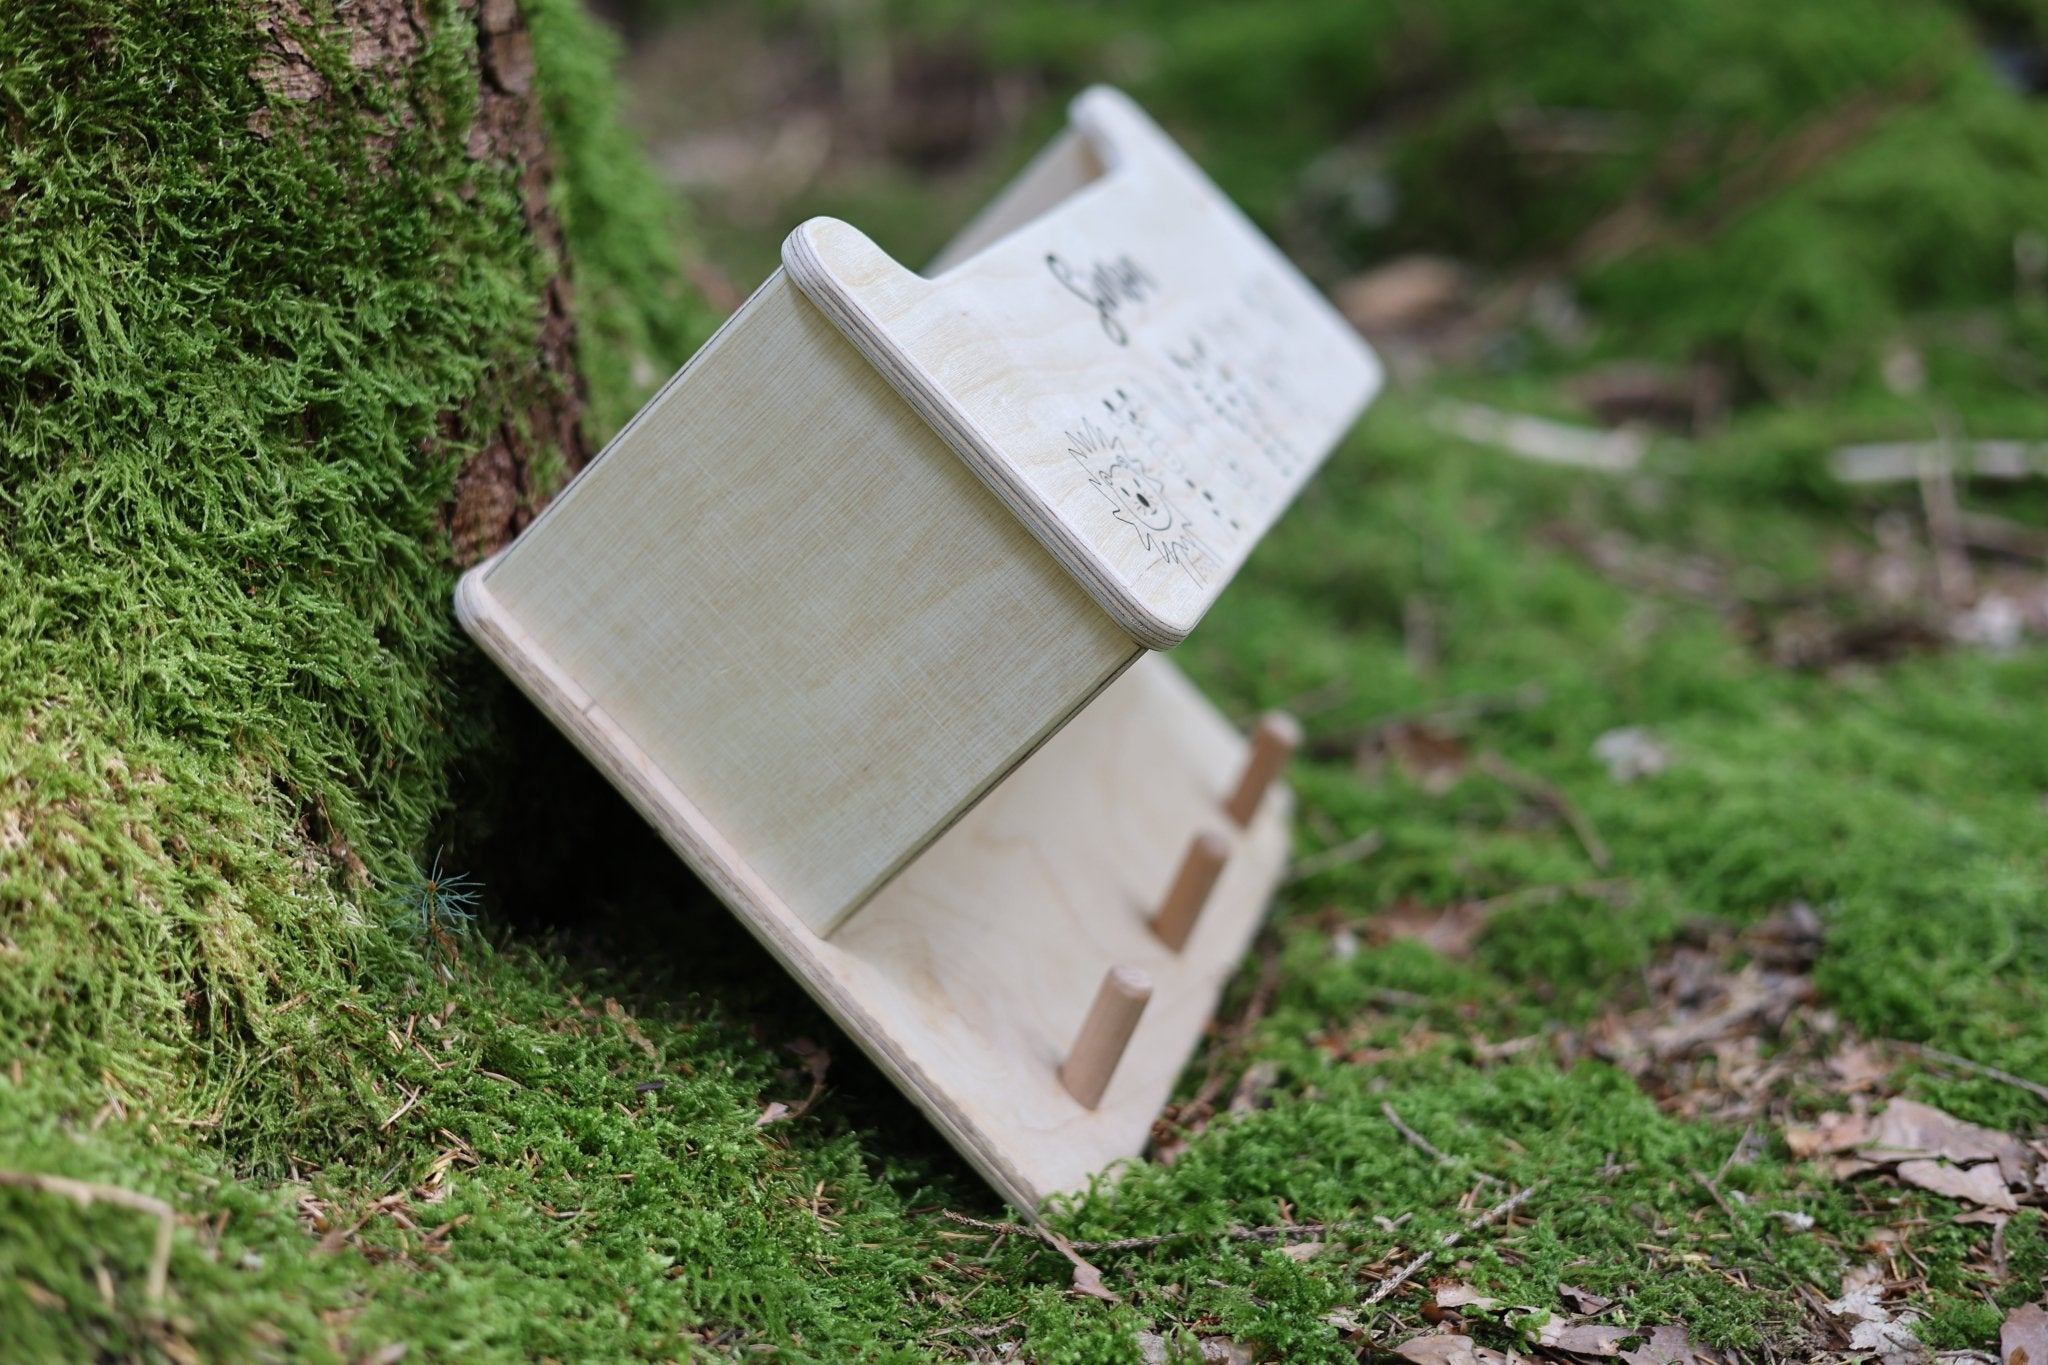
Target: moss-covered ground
[228, 678]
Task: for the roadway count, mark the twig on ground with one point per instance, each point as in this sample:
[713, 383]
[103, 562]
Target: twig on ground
[1903, 461]
[1548, 794]
[1277, 1233]
[403, 1109]
[1715, 1190]
[1741, 1144]
[1540, 439]
[1935, 1054]
[1340, 855]
[1415, 1139]
[1450, 1239]
[1998, 535]
[86, 1193]
[1944, 529]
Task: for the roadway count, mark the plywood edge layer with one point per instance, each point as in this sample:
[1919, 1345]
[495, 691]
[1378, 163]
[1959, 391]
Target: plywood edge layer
[808, 270]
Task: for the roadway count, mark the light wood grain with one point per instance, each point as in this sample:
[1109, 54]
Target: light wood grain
[822, 609]
[1136, 372]
[804, 609]
[967, 977]
[984, 956]
[1066, 164]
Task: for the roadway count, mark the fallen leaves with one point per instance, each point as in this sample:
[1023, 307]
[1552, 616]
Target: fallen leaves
[1556, 1336]
[816, 1062]
[1454, 929]
[1449, 1349]
[1584, 1301]
[1873, 1327]
[1155, 1349]
[1735, 1042]
[1464, 1296]
[1670, 1346]
[2024, 1338]
[1926, 1148]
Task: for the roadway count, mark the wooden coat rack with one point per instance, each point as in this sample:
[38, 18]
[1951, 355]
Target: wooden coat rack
[858, 613]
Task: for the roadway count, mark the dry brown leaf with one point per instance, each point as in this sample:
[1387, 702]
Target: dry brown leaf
[616, 1012]
[1930, 1149]
[1253, 1088]
[1088, 1280]
[1464, 1296]
[1871, 1325]
[1977, 1184]
[1585, 1338]
[1641, 391]
[1157, 1350]
[1448, 1350]
[1892, 1343]
[1830, 1133]
[1430, 756]
[1406, 293]
[1302, 1251]
[1451, 930]
[1670, 1346]
[1909, 1129]
[816, 1062]
[1860, 1066]
[2024, 1338]
[1583, 1300]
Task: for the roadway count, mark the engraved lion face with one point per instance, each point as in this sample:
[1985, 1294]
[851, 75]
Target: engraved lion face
[1138, 495]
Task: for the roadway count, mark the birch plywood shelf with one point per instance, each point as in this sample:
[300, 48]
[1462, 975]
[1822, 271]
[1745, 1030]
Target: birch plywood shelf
[858, 613]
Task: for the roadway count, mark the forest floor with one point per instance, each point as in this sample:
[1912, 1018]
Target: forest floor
[1663, 971]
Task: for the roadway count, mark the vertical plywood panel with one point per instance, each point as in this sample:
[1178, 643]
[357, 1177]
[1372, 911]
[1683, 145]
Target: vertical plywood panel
[804, 609]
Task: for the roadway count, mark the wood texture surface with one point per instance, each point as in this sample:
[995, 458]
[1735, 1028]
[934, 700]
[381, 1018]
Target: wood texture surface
[803, 634]
[968, 976]
[1136, 372]
[804, 609]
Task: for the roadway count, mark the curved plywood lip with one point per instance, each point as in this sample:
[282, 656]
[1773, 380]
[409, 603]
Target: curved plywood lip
[1139, 375]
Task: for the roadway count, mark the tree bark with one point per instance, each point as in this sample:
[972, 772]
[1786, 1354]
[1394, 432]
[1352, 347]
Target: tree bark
[496, 492]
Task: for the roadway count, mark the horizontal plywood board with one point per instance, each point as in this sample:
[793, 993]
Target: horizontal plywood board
[967, 976]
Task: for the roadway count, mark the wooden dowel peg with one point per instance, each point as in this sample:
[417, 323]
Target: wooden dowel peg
[1206, 854]
[1105, 1033]
[1274, 740]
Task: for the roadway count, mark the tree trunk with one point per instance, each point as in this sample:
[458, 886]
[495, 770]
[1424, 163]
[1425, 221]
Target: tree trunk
[497, 492]
[287, 335]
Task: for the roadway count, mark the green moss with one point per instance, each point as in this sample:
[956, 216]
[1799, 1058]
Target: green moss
[226, 668]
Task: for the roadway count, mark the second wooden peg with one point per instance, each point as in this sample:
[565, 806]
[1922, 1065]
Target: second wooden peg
[1274, 740]
[1105, 1033]
[1206, 854]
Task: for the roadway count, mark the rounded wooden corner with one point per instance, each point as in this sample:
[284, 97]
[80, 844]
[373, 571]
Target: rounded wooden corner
[474, 605]
[1117, 130]
[826, 252]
